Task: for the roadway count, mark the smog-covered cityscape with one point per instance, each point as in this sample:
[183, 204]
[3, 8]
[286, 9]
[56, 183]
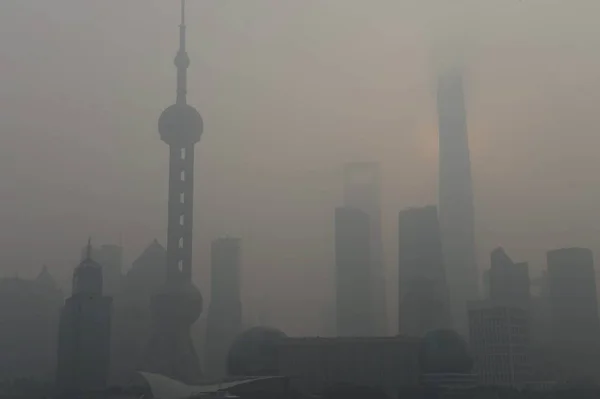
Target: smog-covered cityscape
[314, 199]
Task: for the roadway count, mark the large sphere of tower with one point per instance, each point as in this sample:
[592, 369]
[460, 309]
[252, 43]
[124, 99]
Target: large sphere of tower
[178, 303]
[180, 125]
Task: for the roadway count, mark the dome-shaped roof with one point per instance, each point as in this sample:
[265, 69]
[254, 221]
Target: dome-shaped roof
[254, 352]
[445, 351]
[180, 124]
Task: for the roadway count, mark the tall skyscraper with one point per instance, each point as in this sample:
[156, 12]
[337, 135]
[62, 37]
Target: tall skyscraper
[456, 197]
[170, 351]
[573, 301]
[225, 312]
[423, 293]
[84, 332]
[354, 310]
[362, 190]
[110, 257]
[509, 281]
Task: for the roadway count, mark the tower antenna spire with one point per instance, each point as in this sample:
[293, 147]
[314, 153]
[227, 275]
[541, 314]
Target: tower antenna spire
[182, 61]
[182, 12]
[88, 249]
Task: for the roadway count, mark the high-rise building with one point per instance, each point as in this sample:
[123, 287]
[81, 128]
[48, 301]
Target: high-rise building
[500, 343]
[509, 281]
[354, 311]
[110, 257]
[423, 293]
[84, 332]
[225, 312]
[455, 192]
[178, 305]
[132, 318]
[572, 297]
[362, 190]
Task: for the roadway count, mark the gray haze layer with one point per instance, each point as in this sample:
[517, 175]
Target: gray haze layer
[289, 91]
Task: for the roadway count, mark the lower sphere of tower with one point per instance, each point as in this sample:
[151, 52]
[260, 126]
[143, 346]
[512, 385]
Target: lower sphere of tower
[180, 124]
[178, 303]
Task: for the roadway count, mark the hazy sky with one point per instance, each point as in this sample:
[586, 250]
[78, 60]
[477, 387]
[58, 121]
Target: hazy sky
[289, 91]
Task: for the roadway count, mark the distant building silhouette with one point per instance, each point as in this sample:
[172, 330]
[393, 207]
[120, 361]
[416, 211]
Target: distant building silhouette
[110, 257]
[456, 196]
[423, 294]
[362, 190]
[500, 338]
[178, 304]
[541, 316]
[354, 312]
[132, 320]
[225, 312]
[29, 311]
[573, 300]
[84, 332]
[509, 281]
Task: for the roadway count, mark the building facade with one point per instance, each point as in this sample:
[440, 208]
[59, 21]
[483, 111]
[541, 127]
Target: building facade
[572, 297]
[225, 312]
[362, 190]
[29, 311]
[423, 294]
[455, 193]
[84, 332]
[354, 311]
[500, 343]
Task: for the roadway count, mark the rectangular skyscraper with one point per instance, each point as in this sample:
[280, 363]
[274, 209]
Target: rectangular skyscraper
[354, 310]
[362, 190]
[456, 197]
[573, 301]
[225, 312]
[423, 294]
[84, 332]
[509, 281]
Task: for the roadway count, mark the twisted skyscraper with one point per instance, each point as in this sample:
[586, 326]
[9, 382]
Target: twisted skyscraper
[456, 211]
[179, 304]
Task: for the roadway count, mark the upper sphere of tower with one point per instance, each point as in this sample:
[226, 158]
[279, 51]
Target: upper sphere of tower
[182, 60]
[180, 124]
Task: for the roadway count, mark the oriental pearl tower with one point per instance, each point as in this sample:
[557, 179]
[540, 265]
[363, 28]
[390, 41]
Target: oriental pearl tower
[178, 304]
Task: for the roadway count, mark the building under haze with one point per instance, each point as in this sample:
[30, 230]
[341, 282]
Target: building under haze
[455, 193]
[132, 321]
[84, 332]
[500, 341]
[178, 304]
[362, 190]
[509, 281]
[29, 311]
[354, 312]
[424, 302]
[573, 300]
[110, 257]
[225, 312]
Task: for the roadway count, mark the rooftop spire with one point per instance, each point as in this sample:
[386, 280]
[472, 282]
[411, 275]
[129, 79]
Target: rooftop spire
[182, 61]
[88, 249]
